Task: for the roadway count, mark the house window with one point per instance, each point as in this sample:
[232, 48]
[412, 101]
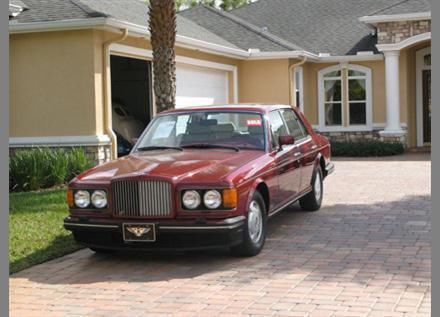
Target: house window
[333, 98]
[357, 97]
[345, 98]
[299, 91]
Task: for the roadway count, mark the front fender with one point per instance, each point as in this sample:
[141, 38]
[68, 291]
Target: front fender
[252, 190]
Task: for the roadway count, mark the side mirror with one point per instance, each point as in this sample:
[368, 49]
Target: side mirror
[134, 140]
[286, 140]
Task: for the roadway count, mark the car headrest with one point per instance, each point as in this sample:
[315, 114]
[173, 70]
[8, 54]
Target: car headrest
[255, 130]
[208, 122]
[224, 127]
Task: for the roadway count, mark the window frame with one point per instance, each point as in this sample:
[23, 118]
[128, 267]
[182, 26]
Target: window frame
[299, 86]
[345, 102]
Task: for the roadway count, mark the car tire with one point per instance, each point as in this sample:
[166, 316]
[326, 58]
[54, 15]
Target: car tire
[254, 229]
[101, 251]
[312, 201]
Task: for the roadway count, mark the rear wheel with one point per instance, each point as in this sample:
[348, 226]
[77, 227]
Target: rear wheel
[254, 232]
[312, 201]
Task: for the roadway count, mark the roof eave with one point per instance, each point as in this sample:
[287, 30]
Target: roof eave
[112, 24]
[282, 55]
[374, 19]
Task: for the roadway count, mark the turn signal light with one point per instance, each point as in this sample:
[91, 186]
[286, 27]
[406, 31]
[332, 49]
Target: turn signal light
[230, 198]
[70, 197]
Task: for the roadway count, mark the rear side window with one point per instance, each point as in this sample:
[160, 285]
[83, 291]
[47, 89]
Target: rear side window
[294, 124]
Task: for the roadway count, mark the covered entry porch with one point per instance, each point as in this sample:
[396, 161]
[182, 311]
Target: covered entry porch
[408, 90]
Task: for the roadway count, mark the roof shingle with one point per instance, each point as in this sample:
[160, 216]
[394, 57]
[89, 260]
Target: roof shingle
[320, 26]
[133, 11]
[236, 31]
[405, 6]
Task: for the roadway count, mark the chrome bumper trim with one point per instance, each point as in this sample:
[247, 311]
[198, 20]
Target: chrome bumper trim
[330, 167]
[90, 225]
[234, 219]
[214, 227]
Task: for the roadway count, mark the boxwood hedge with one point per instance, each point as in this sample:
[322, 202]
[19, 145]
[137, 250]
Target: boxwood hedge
[366, 148]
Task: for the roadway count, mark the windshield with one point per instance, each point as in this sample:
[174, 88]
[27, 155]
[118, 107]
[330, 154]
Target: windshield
[240, 130]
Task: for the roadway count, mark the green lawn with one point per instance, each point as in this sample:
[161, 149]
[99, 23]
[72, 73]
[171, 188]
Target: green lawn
[36, 232]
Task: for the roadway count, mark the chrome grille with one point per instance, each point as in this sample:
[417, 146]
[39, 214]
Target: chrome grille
[141, 198]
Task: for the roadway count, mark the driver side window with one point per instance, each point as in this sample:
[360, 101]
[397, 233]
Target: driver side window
[296, 129]
[277, 127]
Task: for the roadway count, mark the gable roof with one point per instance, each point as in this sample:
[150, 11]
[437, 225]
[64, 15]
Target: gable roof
[405, 6]
[236, 30]
[321, 26]
[274, 27]
[132, 11]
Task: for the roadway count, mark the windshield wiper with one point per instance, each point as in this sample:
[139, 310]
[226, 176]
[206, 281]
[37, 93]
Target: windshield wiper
[152, 148]
[210, 146]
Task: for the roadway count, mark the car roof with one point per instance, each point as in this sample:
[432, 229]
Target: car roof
[252, 107]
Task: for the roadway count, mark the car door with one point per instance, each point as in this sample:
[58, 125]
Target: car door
[305, 144]
[286, 158]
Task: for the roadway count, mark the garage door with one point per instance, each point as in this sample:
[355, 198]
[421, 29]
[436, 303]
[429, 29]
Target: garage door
[200, 86]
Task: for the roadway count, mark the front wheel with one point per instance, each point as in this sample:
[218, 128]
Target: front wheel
[254, 231]
[312, 201]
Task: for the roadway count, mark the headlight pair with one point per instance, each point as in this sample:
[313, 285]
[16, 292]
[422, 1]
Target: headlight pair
[97, 198]
[212, 199]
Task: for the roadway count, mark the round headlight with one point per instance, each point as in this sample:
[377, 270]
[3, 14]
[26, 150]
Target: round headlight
[212, 199]
[82, 198]
[191, 199]
[99, 198]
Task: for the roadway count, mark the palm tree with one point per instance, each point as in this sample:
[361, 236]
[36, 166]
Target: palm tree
[162, 25]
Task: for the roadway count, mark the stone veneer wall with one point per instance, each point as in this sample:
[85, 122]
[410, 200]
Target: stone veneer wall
[363, 136]
[395, 32]
[97, 153]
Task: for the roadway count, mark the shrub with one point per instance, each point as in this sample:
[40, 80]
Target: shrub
[27, 169]
[56, 168]
[78, 163]
[366, 148]
[42, 167]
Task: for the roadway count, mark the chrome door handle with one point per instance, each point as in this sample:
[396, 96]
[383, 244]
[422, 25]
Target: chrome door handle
[314, 146]
[296, 154]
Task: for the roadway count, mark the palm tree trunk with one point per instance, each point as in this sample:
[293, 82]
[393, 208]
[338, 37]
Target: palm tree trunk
[162, 24]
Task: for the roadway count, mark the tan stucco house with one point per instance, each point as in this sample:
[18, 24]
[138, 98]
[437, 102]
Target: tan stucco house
[357, 69]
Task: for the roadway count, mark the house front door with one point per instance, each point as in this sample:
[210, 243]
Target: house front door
[423, 96]
[426, 75]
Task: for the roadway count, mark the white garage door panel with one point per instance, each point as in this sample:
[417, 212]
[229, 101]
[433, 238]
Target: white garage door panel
[200, 86]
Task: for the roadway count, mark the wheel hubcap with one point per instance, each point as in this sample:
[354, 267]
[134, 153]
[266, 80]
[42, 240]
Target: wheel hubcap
[317, 186]
[255, 222]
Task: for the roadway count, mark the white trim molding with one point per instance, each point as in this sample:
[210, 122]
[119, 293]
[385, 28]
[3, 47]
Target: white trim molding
[405, 43]
[374, 19]
[80, 140]
[350, 58]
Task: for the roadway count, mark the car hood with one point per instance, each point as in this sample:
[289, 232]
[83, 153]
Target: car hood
[208, 166]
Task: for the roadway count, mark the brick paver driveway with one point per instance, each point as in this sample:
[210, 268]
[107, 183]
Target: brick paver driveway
[365, 253]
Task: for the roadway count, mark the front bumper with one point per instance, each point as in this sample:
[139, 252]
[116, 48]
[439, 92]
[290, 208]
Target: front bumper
[329, 168]
[107, 234]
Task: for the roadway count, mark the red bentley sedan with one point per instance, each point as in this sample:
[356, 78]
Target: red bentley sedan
[202, 177]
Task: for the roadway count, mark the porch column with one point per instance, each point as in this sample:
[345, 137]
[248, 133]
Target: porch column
[393, 127]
